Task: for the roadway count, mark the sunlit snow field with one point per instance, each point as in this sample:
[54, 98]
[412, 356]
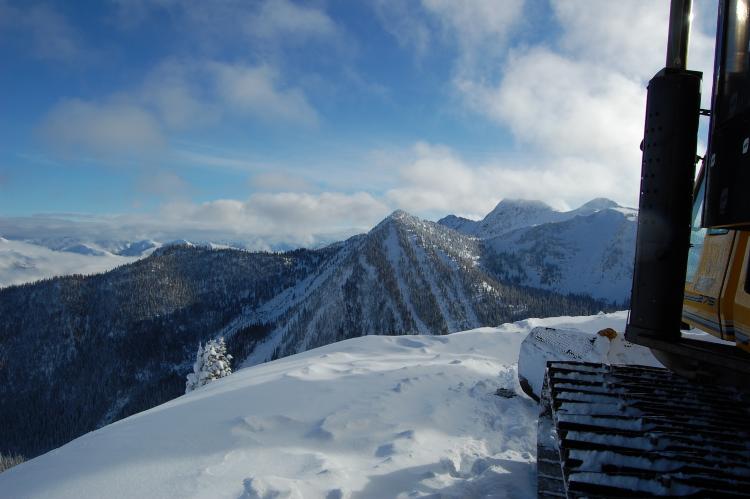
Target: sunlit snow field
[370, 417]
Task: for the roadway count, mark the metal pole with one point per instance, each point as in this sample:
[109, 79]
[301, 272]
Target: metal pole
[679, 33]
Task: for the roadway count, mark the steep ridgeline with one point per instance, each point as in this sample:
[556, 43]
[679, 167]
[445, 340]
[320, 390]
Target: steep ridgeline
[405, 276]
[508, 215]
[589, 250]
[106, 346]
[512, 214]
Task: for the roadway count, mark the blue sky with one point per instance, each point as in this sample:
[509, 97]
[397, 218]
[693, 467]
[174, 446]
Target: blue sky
[284, 120]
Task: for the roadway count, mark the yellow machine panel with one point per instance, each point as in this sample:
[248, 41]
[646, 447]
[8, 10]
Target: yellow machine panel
[716, 294]
[741, 298]
[704, 282]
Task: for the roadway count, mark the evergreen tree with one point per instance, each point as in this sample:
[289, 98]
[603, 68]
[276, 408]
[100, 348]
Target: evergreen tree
[211, 362]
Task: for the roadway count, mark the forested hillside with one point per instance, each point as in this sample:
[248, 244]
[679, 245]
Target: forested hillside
[77, 353]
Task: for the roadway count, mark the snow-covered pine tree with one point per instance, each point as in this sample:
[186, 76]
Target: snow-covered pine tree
[211, 362]
[192, 378]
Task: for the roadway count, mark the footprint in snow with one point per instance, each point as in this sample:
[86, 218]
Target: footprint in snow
[319, 432]
[335, 494]
[403, 383]
[408, 434]
[408, 342]
[385, 450]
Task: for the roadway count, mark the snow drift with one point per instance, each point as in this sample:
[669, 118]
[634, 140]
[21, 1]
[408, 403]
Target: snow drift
[370, 417]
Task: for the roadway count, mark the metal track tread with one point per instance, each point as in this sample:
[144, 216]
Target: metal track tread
[634, 431]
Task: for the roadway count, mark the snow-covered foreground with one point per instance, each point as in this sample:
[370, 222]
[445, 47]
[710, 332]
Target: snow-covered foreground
[371, 417]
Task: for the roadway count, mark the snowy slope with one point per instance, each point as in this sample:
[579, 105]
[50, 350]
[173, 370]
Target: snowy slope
[22, 262]
[590, 254]
[370, 417]
[589, 250]
[513, 214]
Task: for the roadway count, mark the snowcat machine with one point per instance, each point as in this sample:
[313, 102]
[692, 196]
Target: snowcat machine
[634, 431]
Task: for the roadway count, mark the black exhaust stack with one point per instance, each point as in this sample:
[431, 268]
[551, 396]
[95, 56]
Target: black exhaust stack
[667, 174]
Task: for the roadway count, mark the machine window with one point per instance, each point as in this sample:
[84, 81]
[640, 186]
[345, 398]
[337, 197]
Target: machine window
[735, 96]
[697, 234]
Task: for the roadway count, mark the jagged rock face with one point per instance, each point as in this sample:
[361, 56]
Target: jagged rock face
[110, 345]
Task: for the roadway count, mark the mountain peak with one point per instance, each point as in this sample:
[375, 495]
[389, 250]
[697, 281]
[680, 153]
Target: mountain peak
[599, 204]
[460, 224]
[402, 217]
[515, 207]
[523, 203]
[399, 214]
[398, 217]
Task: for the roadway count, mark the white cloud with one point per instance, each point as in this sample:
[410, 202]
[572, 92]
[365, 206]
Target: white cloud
[256, 90]
[478, 29]
[282, 19]
[297, 216]
[49, 34]
[576, 107]
[163, 184]
[573, 100]
[212, 25]
[630, 38]
[175, 91]
[262, 221]
[111, 127]
[217, 160]
[403, 21]
[190, 93]
[437, 181]
[176, 95]
[481, 27]
[279, 182]
[432, 181]
[587, 110]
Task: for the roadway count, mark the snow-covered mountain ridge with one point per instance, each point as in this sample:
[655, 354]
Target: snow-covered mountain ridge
[406, 275]
[370, 417]
[589, 250]
[25, 257]
[512, 214]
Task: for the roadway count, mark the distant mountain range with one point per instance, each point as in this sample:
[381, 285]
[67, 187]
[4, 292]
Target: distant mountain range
[109, 345]
[31, 259]
[511, 214]
[589, 250]
[43, 246]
